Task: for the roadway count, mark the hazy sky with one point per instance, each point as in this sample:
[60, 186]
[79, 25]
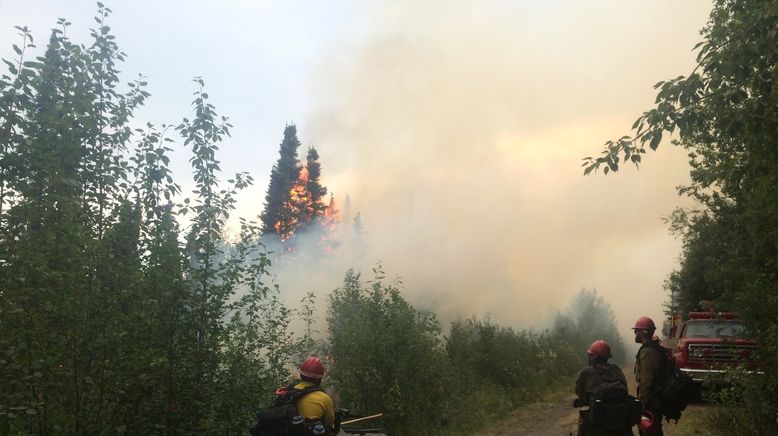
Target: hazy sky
[457, 128]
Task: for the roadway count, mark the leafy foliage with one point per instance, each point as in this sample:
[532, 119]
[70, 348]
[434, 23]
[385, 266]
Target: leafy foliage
[391, 358]
[109, 324]
[496, 369]
[737, 409]
[388, 355]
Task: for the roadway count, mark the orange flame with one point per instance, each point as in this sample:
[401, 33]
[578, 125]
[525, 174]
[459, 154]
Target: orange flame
[328, 241]
[301, 212]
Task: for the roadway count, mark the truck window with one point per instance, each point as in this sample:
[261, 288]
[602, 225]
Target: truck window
[714, 329]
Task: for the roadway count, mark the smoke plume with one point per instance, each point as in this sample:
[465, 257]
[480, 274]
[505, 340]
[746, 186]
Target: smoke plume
[458, 132]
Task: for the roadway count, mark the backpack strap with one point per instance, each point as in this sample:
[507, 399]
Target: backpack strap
[289, 394]
[610, 382]
[604, 369]
[297, 394]
[665, 359]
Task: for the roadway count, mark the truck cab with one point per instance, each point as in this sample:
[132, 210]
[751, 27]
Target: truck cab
[709, 343]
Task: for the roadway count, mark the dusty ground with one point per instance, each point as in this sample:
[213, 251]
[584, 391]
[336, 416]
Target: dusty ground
[557, 417]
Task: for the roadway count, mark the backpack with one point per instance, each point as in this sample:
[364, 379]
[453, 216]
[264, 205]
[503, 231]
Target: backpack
[281, 418]
[676, 389]
[612, 408]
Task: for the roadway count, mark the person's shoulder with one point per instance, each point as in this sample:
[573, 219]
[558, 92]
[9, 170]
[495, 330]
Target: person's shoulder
[586, 371]
[587, 368]
[616, 369]
[310, 387]
[607, 368]
[302, 385]
[320, 396]
[650, 350]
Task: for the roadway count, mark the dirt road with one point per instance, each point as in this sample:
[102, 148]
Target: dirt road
[557, 417]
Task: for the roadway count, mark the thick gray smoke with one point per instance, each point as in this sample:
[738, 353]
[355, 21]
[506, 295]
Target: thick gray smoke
[458, 132]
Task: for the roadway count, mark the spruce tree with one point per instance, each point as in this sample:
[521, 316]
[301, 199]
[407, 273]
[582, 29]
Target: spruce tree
[357, 226]
[278, 215]
[314, 187]
[346, 209]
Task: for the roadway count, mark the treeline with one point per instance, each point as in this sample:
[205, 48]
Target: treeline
[390, 357]
[110, 324]
[587, 318]
[724, 114]
[118, 318]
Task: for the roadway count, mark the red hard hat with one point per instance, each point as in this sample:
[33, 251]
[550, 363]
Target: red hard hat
[312, 368]
[600, 348]
[644, 323]
[647, 426]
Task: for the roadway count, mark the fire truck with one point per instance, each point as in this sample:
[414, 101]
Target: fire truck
[708, 343]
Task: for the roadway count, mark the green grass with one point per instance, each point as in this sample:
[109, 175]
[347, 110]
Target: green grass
[708, 419]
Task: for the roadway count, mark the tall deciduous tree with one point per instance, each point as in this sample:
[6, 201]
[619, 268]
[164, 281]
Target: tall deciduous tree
[387, 353]
[15, 100]
[108, 325]
[70, 243]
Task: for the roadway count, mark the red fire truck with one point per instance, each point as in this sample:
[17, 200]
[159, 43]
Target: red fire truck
[708, 343]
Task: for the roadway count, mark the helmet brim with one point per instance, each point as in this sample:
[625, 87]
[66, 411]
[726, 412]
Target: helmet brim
[311, 375]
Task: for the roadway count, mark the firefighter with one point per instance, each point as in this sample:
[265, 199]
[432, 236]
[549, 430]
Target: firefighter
[648, 370]
[316, 406]
[603, 381]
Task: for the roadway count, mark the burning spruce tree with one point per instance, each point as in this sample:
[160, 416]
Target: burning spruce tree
[294, 203]
[278, 218]
[313, 186]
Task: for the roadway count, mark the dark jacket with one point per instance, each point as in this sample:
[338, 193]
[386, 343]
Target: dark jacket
[595, 382]
[593, 378]
[649, 368]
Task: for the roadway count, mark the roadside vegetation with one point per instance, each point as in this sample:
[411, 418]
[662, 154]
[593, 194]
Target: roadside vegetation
[393, 358]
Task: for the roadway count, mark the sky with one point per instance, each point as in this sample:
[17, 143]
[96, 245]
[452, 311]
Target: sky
[457, 129]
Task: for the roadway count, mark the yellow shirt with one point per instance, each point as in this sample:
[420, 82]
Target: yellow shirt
[316, 405]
